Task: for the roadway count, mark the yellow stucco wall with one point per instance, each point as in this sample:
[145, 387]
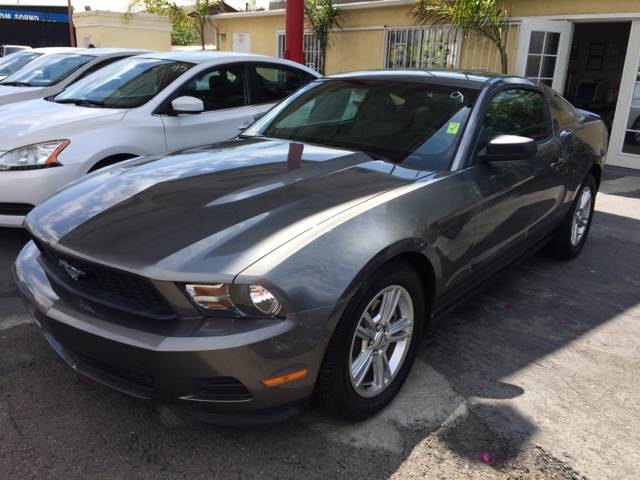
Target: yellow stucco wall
[263, 32]
[360, 43]
[112, 29]
[569, 7]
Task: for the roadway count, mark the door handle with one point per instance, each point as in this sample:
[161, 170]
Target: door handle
[559, 163]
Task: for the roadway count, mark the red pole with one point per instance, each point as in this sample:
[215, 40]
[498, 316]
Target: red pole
[72, 33]
[294, 20]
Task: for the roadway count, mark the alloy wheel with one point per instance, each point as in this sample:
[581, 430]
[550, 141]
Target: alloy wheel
[381, 341]
[581, 216]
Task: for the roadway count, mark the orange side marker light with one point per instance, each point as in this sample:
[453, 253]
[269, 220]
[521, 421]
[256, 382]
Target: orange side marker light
[289, 377]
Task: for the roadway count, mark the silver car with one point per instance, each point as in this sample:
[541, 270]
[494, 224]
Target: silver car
[308, 256]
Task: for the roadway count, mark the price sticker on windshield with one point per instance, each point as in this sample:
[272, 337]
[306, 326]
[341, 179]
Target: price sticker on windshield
[453, 128]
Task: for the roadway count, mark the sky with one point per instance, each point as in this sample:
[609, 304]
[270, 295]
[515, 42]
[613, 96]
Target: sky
[114, 5]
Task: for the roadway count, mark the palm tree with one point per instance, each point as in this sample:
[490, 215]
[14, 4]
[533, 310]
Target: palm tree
[486, 18]
[322, 16]
[199, 16]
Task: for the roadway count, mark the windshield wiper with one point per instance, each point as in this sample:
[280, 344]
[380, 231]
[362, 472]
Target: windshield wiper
[82, 102]
[17, 84]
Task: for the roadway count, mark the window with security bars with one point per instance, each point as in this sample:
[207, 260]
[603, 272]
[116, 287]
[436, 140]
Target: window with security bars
[422, 47]
[310, 49]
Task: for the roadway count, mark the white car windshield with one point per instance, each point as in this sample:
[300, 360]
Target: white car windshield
[128, 83]
[48, 70]
[14, 62]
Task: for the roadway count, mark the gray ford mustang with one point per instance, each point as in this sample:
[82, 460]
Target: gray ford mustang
[307, 257]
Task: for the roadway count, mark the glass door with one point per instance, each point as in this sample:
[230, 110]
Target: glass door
[624, 143]
[543, 51]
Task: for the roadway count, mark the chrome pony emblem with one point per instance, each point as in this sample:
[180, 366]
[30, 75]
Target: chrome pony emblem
[73, 272]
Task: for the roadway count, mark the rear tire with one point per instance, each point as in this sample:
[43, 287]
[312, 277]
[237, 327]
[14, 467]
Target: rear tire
[367, 361]
[572, 233]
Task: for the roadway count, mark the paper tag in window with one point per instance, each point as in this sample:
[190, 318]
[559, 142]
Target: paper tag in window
[453, 128]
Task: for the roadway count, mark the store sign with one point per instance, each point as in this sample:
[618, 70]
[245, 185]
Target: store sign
[241, 42]
[33, 16]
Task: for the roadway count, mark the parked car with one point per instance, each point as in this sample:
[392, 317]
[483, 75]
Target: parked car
[14, 62]
[139, 106]
[51, 74]
[310, 254]
[9, 49]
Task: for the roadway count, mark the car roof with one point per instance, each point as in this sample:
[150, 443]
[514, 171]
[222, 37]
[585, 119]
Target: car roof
[96, 52]
[458, 78]
[216, 56]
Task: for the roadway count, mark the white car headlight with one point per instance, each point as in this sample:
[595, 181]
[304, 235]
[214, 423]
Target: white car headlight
[242, 300]
[38, 155]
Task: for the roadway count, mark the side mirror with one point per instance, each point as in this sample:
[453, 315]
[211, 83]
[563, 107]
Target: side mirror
[187, 105]
[508, 147]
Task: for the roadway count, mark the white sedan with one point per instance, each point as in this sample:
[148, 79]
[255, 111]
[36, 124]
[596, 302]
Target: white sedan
[15, 61]
[143, 105]
[56, 70]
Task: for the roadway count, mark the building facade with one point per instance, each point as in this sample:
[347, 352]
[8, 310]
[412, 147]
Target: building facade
[113, 29]
[34, 26]
[589, 50]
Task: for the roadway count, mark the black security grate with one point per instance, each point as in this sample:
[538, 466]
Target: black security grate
[107, 286]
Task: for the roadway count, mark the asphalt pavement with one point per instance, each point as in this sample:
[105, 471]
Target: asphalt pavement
[537, 377]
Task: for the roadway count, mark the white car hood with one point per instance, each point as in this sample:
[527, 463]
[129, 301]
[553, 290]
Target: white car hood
[40, 121]
[18, 94]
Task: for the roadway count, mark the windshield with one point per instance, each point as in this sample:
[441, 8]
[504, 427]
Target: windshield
[14, 62]
[415, 124]
[48, 70]
[128, 83]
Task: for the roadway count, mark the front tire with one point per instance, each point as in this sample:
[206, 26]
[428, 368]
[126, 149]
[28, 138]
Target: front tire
[374, 344]
[574, 229]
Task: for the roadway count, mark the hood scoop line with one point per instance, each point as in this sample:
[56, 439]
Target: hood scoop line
[290, 177]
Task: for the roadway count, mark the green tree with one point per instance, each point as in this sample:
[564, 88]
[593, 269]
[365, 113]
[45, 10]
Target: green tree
[181, 28]
[199, 16]
[486, 18]
[184, 20]
[322, 16]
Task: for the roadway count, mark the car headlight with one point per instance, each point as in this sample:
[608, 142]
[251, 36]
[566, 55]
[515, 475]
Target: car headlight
[38, 155]
[239, 300]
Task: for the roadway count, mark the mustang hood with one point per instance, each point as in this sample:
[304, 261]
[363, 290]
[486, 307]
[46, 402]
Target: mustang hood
[39, 120]
[209, 211]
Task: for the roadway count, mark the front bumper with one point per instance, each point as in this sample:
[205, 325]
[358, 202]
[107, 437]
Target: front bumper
[218, 376]
[32, 187]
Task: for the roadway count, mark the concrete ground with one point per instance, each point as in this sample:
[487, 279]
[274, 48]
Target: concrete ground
[539, 375]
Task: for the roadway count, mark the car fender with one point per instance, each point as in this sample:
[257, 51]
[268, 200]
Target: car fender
[327, 265]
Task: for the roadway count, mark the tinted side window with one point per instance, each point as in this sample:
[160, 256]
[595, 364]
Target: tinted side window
[562, 112]
[275, 82]
[516, 112]
[220, 88]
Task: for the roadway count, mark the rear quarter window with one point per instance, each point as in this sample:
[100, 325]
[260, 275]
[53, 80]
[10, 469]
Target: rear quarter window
[562, 112]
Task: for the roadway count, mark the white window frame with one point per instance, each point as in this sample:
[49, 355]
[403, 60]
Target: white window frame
[630, 72]
[422, 37]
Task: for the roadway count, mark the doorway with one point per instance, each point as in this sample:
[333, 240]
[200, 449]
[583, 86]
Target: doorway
[596, 61]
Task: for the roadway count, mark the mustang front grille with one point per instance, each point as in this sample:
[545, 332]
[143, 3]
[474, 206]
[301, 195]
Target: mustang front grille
[106, 286]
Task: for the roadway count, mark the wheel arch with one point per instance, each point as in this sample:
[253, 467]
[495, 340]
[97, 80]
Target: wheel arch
[596, 171]
[111, 160]
[410, 250]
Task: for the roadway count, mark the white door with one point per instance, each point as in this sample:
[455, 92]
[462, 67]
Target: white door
[624, 142]
[224, 91]
[543, 51]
